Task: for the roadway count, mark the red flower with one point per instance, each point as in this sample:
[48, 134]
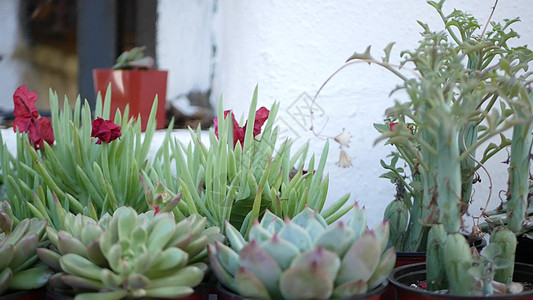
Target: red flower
[156, 210]
[261, 115]
[27, 118]
[411, 126]
[105, 130]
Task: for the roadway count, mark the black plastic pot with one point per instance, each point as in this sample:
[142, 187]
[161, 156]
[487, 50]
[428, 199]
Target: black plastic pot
[38, 294]
[375, 294]
[401, 278]
[524, 250]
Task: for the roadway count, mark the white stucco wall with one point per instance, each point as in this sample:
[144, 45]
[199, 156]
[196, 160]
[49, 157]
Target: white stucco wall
[289, 48]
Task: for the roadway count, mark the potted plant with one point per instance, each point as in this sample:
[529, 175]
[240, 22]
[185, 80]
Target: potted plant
[241, 171]
[464, 88]
[127, 254]
[135, 84]
[469, 88]
[22, 274]
[91, 165]
[304, 258]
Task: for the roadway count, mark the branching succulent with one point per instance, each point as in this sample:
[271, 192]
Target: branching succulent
[20, 268]
[128, 255]
[469, 87]
[304, 258]
[226, 179]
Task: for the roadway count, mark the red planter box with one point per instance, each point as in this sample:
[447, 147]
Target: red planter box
[137, 88]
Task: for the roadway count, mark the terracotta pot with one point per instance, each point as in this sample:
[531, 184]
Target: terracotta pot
[402, 277]
[375, 294]
[137, 88]
[38, 294]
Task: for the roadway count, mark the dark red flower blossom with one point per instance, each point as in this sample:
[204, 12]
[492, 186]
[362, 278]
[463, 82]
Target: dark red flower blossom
[24, 101]
[261, 115]
[27, 119]
[105, 130]
[411, 126]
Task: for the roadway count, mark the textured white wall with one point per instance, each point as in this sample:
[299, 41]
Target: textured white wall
[184, 44]
[289, 48]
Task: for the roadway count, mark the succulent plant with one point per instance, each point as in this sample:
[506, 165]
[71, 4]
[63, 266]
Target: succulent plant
[456, 116]
[20, 268]
[128, 255]
[134, 59]
[304, 258]
[469, 87]
[237, 179]
[82, 174]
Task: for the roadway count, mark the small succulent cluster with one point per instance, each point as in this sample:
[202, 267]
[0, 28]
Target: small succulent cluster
[134, 59]
[20, 268]
[128, 255]
[304, 258]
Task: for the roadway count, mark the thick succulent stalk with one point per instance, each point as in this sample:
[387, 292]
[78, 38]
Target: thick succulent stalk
[467, 165]
[506, 239]
[457, 262]
[435, 273]
[397, 214]
[519, 172]
[427, 207]
[448, 176]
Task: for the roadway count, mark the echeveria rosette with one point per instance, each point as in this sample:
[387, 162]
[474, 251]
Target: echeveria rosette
[128, 255]
[39, 129]
[304, 258]
[105, 130]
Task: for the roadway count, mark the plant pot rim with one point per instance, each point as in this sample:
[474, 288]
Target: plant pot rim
[129, 70]
[420, 268]
[375, 292]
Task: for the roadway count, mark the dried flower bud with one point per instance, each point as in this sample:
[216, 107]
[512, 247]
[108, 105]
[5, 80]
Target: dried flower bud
[343, 138]
[345, 160]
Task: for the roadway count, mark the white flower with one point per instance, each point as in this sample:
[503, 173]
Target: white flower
[343, 139]
[345, 161]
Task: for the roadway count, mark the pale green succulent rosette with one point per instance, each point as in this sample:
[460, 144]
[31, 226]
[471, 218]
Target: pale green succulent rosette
[128, 255]
[304, 258]
[20, 268]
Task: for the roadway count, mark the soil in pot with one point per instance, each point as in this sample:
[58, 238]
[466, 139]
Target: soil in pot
[401, 278]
